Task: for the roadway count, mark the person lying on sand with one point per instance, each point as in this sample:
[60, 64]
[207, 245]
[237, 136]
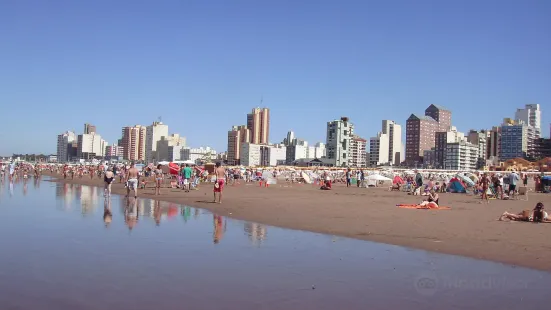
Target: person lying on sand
[537, 215]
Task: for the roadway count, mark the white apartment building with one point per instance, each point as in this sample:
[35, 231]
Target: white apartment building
[358, 155]
[442, 138]
[394, 133]
[531, 116]
[64, 141]
[90, 146]
[379, 149]
[277, 155]
[198, 154]
[461, 156]
[339, 136]
[294, 152]
[250, 154]
[174, 152]
[165, 147]
[317, 151]
[154, 132]
[480, 139]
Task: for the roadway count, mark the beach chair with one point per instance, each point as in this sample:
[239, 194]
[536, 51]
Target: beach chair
[522, 191]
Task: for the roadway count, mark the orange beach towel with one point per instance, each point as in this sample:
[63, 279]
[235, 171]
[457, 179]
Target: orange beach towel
[404, 206]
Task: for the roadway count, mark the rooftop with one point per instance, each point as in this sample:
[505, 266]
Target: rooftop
[422, 118]
[439, 107]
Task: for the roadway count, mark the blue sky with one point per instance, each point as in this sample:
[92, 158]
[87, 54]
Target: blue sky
[202, 65]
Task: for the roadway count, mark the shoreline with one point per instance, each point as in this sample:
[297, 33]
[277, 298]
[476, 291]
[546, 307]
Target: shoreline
[470, 229]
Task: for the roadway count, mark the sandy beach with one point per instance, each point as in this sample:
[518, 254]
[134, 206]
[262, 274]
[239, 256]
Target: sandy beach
[470, 229]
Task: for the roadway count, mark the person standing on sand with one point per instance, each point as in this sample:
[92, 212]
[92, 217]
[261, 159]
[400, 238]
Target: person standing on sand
[513, 178]
[348, 177]
[132, 177]
[187, 177]
[485, 183]
[418, 179]
[219, 183]
[158, 179]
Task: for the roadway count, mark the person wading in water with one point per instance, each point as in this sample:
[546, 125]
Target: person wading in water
[132, 177]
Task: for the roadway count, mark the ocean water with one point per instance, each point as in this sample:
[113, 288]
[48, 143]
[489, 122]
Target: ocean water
[65, 246]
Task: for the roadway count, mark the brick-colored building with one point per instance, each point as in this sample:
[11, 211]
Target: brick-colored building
[421, 131]
[420, 136]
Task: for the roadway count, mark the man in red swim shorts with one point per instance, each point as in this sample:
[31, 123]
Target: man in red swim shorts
[219, 183]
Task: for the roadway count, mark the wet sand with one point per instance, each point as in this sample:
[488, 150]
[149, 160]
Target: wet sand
[470, 229]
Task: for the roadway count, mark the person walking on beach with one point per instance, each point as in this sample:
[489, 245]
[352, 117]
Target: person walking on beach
[187, 177]
[108, 179]
[485, 183]
[348, 177]
[132, 177]
[219, 182]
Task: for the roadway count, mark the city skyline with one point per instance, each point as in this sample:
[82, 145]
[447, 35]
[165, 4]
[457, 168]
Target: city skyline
[91, 65]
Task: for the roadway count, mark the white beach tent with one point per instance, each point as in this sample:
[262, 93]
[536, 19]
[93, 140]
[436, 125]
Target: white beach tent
[378, 177]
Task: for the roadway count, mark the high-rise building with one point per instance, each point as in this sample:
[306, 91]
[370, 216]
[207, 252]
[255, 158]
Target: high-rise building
[200, 154]
[339, 136]
[494, 143]
[237, 136]
[317, 151]
[114, 151]
[461, 156]
[542, 148]
[250, 154]
[420, 136]
[168, 148]
[514, 141]
[394, 132]
[358, 156]
[277, 155]
[89, 128]
[134, 142]
[531, 116]
[90, 146]
[64, 144]
[258, 122]
[441, 140]
[480, 139]
[509, 147]
[290, 138]
[440, 114]
[378, 150]
[296, 152]
[154, 132]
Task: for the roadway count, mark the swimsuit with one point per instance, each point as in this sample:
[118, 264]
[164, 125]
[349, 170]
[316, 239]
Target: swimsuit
[220, 187]
[133, 183]
[108, 180]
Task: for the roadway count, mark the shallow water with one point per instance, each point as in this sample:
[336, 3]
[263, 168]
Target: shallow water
[59, 251]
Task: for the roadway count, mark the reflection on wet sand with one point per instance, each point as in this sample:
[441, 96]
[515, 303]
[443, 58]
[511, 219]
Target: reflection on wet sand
[219, 228]
[256, 232]
[107, 213]
[132, 210]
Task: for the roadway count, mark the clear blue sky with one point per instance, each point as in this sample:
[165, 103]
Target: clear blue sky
[202, 65]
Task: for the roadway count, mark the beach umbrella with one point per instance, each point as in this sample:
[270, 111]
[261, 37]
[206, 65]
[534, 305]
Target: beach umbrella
[174, 168]
[378, 177]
